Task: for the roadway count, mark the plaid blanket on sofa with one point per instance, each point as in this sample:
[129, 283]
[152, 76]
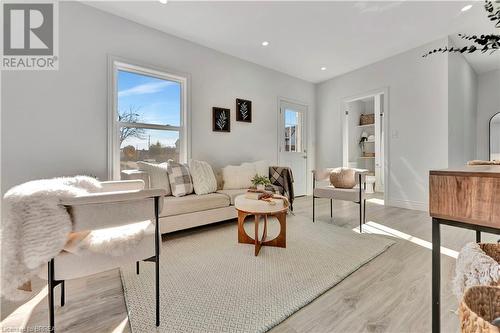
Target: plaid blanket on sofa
[282, 177]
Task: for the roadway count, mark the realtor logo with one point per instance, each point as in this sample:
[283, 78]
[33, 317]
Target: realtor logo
[29, 38]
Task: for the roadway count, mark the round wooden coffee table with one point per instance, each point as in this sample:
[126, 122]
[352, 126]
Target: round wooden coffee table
[261, 208]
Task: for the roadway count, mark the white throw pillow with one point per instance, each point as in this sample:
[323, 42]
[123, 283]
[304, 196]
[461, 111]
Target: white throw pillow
[238, 177]
[204, 181]
[158, 177]
[261, 167]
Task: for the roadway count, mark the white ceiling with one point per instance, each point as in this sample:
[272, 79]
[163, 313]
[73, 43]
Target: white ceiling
[304, 36]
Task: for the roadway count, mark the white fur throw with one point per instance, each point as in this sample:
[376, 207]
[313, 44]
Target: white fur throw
[474, 267]
[115, 241]
[35, 227]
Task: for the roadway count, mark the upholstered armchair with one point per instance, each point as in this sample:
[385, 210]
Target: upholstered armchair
[122, 203]
[356, 194]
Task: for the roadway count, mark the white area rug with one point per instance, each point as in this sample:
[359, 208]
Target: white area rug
[210, 283]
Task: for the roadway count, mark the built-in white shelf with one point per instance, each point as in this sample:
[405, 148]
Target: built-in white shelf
[367, 157]
[373, 141]
[369, 125]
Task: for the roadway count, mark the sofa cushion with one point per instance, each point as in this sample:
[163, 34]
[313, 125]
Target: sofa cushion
[180, 179]
[231, 194]
[158, 177]
[203, 177]
[193, 203]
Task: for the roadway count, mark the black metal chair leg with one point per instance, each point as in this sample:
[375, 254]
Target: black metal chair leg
[478, 236]
[364, 211]
[314, 199]
[157, 259]
[331, 207]
[63, 296]
[50, 295]
[137, 267]
[360, 217]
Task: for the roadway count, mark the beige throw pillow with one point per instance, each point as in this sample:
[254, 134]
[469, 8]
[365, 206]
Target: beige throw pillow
[343, 177]
[158, 177]
[238, 177]
[261, 167]
[204, 181]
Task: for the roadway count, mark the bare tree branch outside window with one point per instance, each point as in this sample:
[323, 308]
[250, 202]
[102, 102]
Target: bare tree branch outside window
[130, 116]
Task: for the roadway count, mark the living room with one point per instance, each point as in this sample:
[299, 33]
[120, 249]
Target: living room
[216, 126]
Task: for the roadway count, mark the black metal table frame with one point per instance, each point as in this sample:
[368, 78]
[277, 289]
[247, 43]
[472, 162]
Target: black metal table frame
[436, 261]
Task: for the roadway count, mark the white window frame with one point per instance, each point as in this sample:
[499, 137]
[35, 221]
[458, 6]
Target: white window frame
[114, 125]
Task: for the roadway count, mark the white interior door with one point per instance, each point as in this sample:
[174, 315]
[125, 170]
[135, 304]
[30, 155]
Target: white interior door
[292, 146]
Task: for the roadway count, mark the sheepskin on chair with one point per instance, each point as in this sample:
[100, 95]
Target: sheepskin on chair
[36, 228]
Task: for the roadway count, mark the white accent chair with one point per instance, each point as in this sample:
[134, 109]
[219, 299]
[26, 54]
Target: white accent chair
[356, 194]
[120, 203]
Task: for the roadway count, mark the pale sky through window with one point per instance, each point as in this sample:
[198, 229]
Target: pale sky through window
[157, 101]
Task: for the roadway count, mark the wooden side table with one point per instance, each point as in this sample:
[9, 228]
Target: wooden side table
[469, 198]
[259, 209]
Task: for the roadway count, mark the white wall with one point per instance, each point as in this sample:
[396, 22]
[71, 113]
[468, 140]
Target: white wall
[462, 111]
[488, 94]
[54, 122]
[418, 119]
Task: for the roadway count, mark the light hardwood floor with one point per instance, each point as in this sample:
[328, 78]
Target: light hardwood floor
[389, 294]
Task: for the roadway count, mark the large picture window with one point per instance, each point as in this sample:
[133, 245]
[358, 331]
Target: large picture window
[149, 117]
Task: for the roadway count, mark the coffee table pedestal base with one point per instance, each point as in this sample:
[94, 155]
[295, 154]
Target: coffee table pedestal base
[279, 241]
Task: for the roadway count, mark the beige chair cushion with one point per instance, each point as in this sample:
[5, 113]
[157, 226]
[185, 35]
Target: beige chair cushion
[193, 203]
[330, 192]
[343, 177]
[232, 194]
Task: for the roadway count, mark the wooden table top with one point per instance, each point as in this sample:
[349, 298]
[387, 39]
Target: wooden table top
[470, 170]
[469, 194]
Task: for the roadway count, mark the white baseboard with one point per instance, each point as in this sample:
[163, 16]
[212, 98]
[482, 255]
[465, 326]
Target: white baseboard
[408, 204]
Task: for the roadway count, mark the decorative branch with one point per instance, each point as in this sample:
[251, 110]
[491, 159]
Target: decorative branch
[244, 110]
[483, 43]
[221, 120]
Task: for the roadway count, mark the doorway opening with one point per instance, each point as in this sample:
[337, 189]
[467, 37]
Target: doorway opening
[364, 140]
[293, 142]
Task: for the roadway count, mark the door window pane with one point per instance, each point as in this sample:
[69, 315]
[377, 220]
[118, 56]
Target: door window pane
[148, 100]
[154, 146]
[293, 131]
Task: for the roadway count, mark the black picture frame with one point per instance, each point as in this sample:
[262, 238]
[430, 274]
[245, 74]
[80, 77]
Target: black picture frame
[243, 110]
[221, 119]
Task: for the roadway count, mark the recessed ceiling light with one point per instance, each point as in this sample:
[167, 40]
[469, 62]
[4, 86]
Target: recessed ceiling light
[466, 8]
[163, 1]
[323, 68]
[265, 43]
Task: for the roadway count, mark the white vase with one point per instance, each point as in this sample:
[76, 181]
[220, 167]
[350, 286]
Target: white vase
[261, 187]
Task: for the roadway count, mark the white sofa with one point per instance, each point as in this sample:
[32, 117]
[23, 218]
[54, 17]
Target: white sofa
[192, 210]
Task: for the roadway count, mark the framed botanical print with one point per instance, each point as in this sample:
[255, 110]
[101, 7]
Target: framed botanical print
[243, 110]
[221, 120]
